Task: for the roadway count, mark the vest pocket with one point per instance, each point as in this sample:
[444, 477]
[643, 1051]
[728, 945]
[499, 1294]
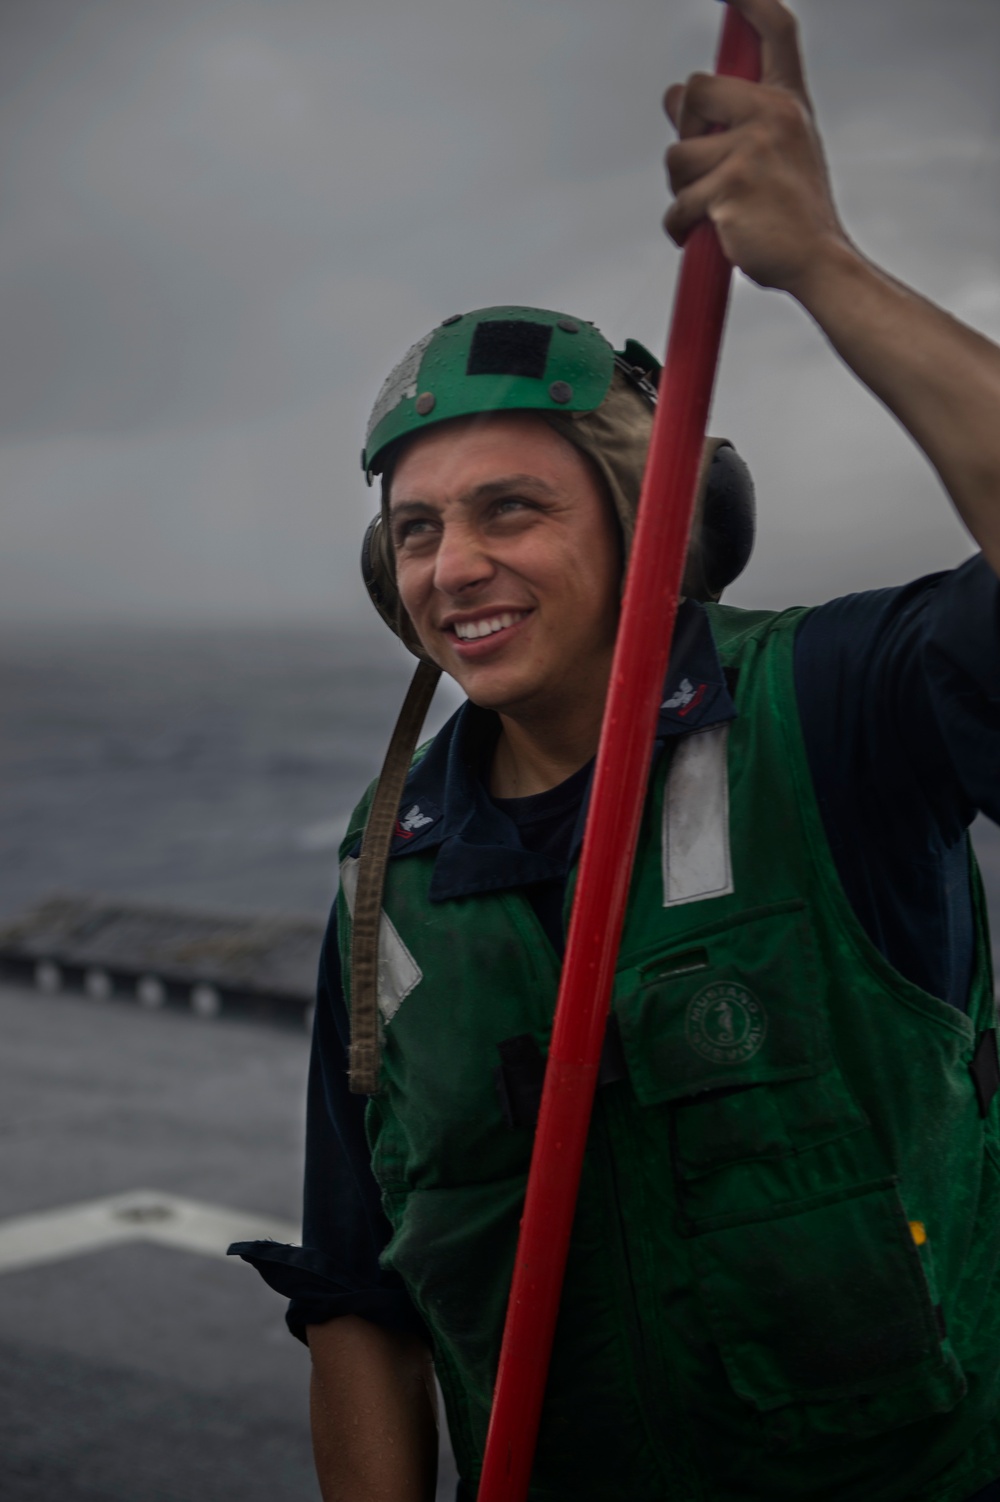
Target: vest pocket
[738, 1004]
[826, 1318]
[743, 1125]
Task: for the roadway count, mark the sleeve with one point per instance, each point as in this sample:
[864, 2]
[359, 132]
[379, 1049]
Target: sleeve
[962, 660]
[898, 693]
[336, 1270]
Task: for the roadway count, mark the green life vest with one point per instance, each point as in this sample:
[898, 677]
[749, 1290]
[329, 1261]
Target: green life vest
[783, 1280]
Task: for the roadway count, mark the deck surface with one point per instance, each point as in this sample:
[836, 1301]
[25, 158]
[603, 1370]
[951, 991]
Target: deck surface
[137, 1364]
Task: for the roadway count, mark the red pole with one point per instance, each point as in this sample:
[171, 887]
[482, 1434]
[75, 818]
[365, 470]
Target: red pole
[620, 778]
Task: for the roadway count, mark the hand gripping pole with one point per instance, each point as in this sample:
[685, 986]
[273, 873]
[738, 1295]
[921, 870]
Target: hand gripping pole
[621, 775]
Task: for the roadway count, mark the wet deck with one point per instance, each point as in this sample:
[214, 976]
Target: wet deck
[137, 1363]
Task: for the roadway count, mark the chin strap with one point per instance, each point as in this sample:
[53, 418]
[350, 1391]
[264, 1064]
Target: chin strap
[375, 843]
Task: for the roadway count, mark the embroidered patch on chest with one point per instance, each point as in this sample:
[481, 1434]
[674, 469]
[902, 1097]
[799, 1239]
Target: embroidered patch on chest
[725, 1023]
[685, 698]
[416, 817]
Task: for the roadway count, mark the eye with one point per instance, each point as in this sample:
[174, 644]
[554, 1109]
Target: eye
[412, 530]
[512, 505]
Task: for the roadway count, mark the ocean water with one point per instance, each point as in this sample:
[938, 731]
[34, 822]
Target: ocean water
[210, 769]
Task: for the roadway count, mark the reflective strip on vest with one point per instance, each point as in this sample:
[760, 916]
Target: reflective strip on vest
[398, 971]
[697, 862]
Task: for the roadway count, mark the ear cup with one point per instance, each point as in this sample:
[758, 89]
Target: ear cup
[725, 527]
[379, 582]
[729, 519]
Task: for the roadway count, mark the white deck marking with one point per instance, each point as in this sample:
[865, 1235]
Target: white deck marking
[139, 1215]
[697, 863]
[398, 971]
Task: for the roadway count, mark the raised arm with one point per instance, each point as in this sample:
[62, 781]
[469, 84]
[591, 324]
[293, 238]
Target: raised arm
[374, 1413]
[763, 182]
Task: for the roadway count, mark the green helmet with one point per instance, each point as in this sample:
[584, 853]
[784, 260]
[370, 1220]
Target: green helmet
[501, 359]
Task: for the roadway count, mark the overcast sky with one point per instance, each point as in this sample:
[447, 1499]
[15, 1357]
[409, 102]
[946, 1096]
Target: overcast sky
[222, 221]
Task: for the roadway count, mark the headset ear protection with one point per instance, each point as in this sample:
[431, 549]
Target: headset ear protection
[725, 523]
[380, 582]
[722, 540]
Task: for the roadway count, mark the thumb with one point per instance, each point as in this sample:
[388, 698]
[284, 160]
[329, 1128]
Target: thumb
[781, 51]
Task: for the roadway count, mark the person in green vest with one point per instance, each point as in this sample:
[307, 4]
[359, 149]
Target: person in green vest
[783, 1280]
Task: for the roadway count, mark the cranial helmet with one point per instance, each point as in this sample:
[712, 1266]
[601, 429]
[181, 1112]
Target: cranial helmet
[514, 359]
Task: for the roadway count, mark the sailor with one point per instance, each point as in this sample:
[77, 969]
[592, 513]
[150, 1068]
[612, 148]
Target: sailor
[783, 1279]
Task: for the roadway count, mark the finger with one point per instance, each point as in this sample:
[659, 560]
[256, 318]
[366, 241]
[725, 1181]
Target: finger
[687, 161]
[781, 51]
[707, 100]
[712, 194]
[682, 103]
[688, 209]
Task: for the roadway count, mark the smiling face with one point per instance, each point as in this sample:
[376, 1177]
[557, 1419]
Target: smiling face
[508, 562]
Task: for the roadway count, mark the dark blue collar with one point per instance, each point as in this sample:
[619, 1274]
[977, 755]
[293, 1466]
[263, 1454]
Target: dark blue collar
[446, 806]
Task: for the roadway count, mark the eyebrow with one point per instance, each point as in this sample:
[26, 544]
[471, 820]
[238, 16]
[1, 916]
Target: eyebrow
[485, 492]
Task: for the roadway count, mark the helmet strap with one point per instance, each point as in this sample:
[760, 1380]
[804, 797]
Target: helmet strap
[375, 844]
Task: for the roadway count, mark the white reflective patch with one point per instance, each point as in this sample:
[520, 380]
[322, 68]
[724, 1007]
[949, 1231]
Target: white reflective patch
[697, 862]
[400, 383]
[398, 971]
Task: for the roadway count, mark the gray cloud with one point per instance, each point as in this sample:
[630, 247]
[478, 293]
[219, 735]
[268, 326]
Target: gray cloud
[222, 221]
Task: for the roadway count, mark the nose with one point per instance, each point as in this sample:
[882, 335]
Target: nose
[461, 561]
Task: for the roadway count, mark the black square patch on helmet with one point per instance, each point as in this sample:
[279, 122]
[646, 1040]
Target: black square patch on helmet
[507, 346]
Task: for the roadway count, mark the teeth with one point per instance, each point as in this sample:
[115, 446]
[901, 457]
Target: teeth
[470, 630]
